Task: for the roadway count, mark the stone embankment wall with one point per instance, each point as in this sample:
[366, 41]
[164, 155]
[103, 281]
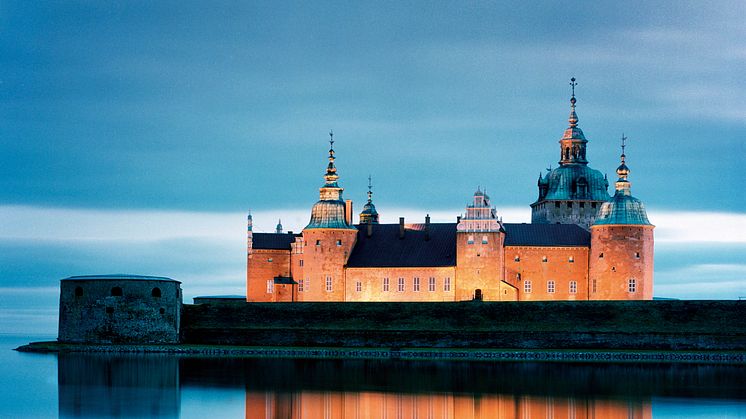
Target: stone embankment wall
[634, 325]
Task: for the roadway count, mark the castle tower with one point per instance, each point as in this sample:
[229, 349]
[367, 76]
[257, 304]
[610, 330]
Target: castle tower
[369, 215]
[573, 192]
[328, 240]
[621, 260]
[479, 252]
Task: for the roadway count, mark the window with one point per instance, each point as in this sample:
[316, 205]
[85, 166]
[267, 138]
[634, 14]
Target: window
[484, 239]
[637, 255]
[601, 255]
[300, 262]
[301, 282]
[573, 287]
[544, 259]
[156, 292]
[569, 205]
[593, 205]
[358, 286]
[582, 205]
[116, 292]
[632, 285]
[431, 284]
[416, 284]
[446, 284]
[550, 286]
[527, 286]
[594, 285]
[556, 204]
[307, 285]
[385, 284]
[401, 285]
[270, 286]
[328, 284]
[470, 240]
[318, 242]
[269, 260]
[517, 258]
[78, 291]
[339, 242]
[571, 259]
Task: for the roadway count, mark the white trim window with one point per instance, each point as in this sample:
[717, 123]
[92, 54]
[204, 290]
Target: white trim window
[385, 284]
[527, 286]
[401, 285]
[632, 285]
[573, 287]
[416, 284]
[446, 284]
[550, 286]
[431, 284]
[329, 284]
[270, 286]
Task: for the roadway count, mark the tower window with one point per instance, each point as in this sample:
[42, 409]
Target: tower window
[269, 260]
[569, 205]
[573, 287]
[401, 285]
[328, 284]
[318, 242]
[571, 259]
[446, 284]
[301, 283]
[556, 204]
[484, 239]
[637, 255]
[416, 284]
[116, 292]
[550, 287]
[601, 255]
[582, 205]
[470, 240]
[270, 286]
[527, 286]
[156, 292]
[300, 263]
[339, 242]
[78, 291]
[593, 205]
[431, 284]
[517, 258]
[632, 285]
[385, 284]
[544, 259]
[358, 286]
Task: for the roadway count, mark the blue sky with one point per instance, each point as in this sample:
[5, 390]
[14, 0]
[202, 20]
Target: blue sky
[134, 136]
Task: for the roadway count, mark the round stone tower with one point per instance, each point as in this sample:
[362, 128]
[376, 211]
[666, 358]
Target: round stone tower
[621, 259]
[329, 238]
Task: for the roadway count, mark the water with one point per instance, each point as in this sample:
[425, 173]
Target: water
[137, 385]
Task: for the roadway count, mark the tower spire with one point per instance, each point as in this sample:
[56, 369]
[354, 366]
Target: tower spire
[622, 184]
[573, 119]
[572, 144]
[370, 190]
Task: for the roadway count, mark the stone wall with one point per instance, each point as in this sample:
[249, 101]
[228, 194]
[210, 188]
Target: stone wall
[119, 311]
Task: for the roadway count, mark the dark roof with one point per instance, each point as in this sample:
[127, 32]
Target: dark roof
[284, 280]
[118, 277]
[273, 240]
[546, 235]
[385, 249]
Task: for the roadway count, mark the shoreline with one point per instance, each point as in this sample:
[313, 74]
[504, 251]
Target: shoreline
[407, 354]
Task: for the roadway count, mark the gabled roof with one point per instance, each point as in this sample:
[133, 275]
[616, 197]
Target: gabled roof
[385, 249]
[279, 241]
[549, 235]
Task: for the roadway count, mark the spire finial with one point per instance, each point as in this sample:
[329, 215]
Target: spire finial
[573, 119]
[623, 170]
[573, 83]
[331, 139]
[624, 140]
[370, 189]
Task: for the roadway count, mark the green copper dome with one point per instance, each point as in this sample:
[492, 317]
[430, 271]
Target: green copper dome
[328, 214]
[622, 209]
[575, 182]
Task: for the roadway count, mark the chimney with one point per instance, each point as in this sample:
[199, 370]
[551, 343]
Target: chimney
[458, 219]
[427, 227]
[401, 227]
[348, 212]
[370, 228]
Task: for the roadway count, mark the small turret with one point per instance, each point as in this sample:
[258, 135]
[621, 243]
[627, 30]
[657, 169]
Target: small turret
[278, 228]
[369, 215]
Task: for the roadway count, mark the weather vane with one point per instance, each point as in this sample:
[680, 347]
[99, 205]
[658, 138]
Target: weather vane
[331, 138]
[624, 140]
[573, 84]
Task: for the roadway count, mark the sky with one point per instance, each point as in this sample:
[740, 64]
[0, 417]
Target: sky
[135, 136]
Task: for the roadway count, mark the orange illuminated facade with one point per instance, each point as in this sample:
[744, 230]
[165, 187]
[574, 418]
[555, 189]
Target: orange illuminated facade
[582, 244]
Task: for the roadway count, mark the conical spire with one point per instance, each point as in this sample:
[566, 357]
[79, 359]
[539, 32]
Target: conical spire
[572, 143]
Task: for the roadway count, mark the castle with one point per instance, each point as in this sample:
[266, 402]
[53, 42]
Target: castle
[581, 244]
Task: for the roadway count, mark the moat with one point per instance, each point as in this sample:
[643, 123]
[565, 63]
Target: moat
[158, 385]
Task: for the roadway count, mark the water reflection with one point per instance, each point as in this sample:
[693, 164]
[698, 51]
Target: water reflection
[153, 385]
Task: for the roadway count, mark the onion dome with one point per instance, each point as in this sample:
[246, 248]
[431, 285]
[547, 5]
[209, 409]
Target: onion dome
[278, 228]
[623, 208]
[369, 215]
[573, 142]
[329, 211]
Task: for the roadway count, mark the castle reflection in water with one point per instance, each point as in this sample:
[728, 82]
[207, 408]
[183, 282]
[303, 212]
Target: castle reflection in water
[128, 385]
[331, 405]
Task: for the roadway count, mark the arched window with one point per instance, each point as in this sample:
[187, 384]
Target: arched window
[156, 292]
[78, 291]
[116, 292]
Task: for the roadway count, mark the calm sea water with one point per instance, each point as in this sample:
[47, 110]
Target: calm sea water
[82, 385]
